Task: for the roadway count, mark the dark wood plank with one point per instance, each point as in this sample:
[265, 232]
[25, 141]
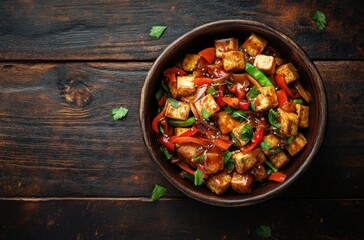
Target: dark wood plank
[118, 30]
[49, 147]
[167, 219]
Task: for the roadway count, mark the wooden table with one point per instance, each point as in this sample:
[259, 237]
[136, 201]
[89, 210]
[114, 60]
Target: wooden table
[68, 171]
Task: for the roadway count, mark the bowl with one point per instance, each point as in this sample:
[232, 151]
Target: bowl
[203, 37]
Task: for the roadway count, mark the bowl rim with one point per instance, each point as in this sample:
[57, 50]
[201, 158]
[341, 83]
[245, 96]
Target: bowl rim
[301, 169]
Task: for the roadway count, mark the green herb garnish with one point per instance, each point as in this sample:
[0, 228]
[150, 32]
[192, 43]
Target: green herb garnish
[188, 176]
[265, 145]
[211, 90]
[158, 192]
[198, 158]
[320, 19]
[118, 113]
[229, 162]
[205, 114]
[157, 31]
[246, 133]
[273, 118]
[290, 140]
[198, 177]
[253, 93]
[264, 231]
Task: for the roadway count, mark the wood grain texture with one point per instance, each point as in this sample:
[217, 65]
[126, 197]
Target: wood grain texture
[51, 148]
[118, 30]
[129, 219]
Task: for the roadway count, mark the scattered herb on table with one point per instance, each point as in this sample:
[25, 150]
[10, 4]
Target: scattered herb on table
[118, 113]
[264, 231]
[158, 192]
[157, 31]
[320, 19]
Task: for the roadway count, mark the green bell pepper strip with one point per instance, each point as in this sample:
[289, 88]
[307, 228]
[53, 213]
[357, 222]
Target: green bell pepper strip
[258, 75]
[181, 123]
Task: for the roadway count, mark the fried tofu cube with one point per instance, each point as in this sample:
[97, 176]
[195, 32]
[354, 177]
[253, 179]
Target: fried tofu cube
[208, 104]
[225, 45]
[219, 183]
[279, 159]
[214, 160]
[187, 151]
[173, 88]
[289, 123]
[273, 142]
[226, 122]
[179, 130]
[303, 113]
[289, 72]
[266, 99]
[259, 173]
[185, 85]
[190, 62]
[233, 61]
[179, 110]
[297, 145]
[241, 183]
[254, 45]
[237, 130]
[247, 161]
[266, 64]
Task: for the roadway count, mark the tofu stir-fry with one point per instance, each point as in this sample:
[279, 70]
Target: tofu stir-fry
[232, 115]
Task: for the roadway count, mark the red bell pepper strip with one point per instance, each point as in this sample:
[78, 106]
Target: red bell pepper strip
[244, 105]
[202, 81]
[277, 177]
[162, 100]
[220, 95]
[258, 135]
[171, 73]
[202, 142]
[231, 101]
[167, 142]
[190, 132]
[282, 84]
[222, 144]
[232, 88]
[282, 98]
[185, 168]
[208, 54]
[156, 120]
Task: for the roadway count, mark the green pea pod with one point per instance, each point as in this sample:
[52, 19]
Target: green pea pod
[180, 123]
[258, 75]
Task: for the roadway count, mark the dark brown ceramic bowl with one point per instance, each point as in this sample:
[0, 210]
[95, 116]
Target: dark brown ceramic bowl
[203, 37]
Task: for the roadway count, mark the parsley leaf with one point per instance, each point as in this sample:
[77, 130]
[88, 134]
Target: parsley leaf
[265, 145]
[205, 114]
[158, 192]
[157, 31]
[198, 177]
[246, 132]
[253, 93]
[237, 114]
[264, 231]
[229, 163]
[198, 158]
[174, 103]
[118, 113]
[211, 90]
[320, 19]
[290, 140]
[273, 118]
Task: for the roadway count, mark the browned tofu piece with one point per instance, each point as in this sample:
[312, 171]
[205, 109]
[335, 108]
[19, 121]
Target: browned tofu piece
[233, 61]
[266, 64]
[241, 183]
[185, 85]
[259, 173]
[289, 72]
[273, 141]
[187, 151]
[190, 62]
[225, 45]
[289, 123]
[279, 159]
[303, 113]
[180, 112]
[236, 131]
[247, 161]
[208, 104]
[297, 145]
[214, 161]
[266, 99]
[226, 122]
[254, 45]
[219, 183]
[179, 130]
[173, 88]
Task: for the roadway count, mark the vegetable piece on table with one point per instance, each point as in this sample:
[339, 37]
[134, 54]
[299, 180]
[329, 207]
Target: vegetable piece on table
[158, 192]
